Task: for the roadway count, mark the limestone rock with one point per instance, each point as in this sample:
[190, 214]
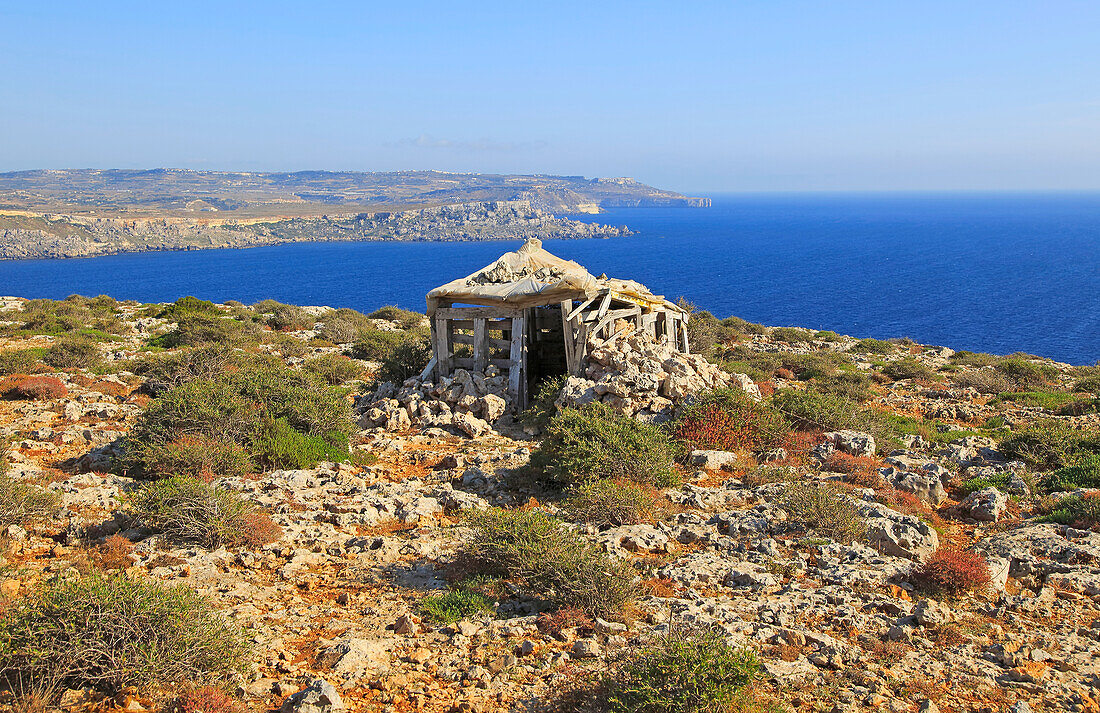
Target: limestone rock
[319, 696]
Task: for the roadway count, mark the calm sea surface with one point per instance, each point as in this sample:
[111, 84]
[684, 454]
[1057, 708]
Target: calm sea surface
[985, 272]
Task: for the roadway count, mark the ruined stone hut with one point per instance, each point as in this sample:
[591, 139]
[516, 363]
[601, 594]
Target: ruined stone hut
[531, 314]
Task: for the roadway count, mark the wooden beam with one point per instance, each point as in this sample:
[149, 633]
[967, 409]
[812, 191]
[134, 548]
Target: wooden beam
[684, 339]
[613, 314]
[476, 312]
[582, 307]
[604, 305]
[444, 347]
[580, 347]
[481, 349]
[427, 373]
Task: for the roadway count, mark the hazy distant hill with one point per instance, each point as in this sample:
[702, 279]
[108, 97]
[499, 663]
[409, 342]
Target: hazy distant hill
[83, 212]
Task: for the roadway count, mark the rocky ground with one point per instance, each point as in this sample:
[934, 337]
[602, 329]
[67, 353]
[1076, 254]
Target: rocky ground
[333, 606]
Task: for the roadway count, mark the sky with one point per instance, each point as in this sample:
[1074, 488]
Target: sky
[701, 97]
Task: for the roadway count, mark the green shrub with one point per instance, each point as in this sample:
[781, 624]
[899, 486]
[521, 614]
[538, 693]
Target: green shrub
[729, 420]
[827, 335]
[334, 369]
[290, 318]
[824, 508]
[346, 326]
[683, 671]
[376, 345]
[188, 511]
[873, 346]
[1025, 374]
[738, 325]
[283, 446]
[1085, 473]
[793, 335]
[200, 457]
[254, 408]
[541, 407]
[1050, 444]
[907, 368]
[811, 410]
[610, 502]
[966, 358]
[20, 361]
[594, 441]
[406, 319]
[73, 352]
[51, 317]
[186, 306]
[951, 572]
[109, 632]
[22, 503]
[816, 366]
[1082, 511]
[179, 367]
[409, 359]
[454, 605]
[854, 386]
[549, 559]
[285, 344]
[195, 329]
[995, 480]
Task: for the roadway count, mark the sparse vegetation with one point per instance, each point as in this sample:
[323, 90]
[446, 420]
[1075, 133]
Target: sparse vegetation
[1076, 510]
[873, 346]
[21, 361]
[334, 369]
[73, 351]
[826, 509]
[1050, 444]
[406, 319]
[907, 368]
[36, 388]
[454, 605]
[22, 503]
[190, 512]
[1085, 473]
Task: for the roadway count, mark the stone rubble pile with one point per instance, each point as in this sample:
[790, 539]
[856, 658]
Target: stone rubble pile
[641, 377]
[470, 402]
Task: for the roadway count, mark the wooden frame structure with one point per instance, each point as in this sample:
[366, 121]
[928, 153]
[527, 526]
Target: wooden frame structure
[534, 317]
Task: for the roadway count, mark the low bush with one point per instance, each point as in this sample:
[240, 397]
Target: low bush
[280, 417]
[1050, 444]
[334, 369]
[109, 632]
[36, 388]
[1085, 473]
[202, 457]
[290, 318]
[965, 358]
[1026, 374]
[186, 306]
[22, 503]
[346, 326]
[549, 559]
[73, 352]
[854, 386]
[454, 605]
[985, 381]
[114, 553]
[873, 346]
[1080, 511]
[611, 503]
[1086, 385]
[827, 335]
[594, 441]
[729, 420]
[407, 360]
[74, 314]
[541, 407]
[826, 509]
[406, 319]
[792, 335]
[286, 345]
[190, 512]
[951, 572]
[683, 671]
[196, 329]
[376, 345]
[907, 368]
[20, 361]
[994, 480]
[812, 410]
[179, 367]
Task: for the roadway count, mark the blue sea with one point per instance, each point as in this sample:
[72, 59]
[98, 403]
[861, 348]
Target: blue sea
[985, 272]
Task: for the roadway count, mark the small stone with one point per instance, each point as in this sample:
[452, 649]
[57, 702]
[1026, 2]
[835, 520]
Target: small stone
[319, 696]
[586, 649]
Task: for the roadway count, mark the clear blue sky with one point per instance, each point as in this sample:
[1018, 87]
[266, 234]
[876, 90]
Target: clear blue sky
[701, 97]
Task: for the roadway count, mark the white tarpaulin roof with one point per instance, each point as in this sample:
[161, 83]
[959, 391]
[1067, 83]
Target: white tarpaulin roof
[532, 276]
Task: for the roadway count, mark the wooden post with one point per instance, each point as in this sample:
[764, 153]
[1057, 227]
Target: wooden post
[517, 364]
[567, 335]
[481, 350]
[444, 345]
[684, 339]
[671, 337]
[581, 347]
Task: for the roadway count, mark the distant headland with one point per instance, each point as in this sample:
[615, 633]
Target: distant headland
[87, 212]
